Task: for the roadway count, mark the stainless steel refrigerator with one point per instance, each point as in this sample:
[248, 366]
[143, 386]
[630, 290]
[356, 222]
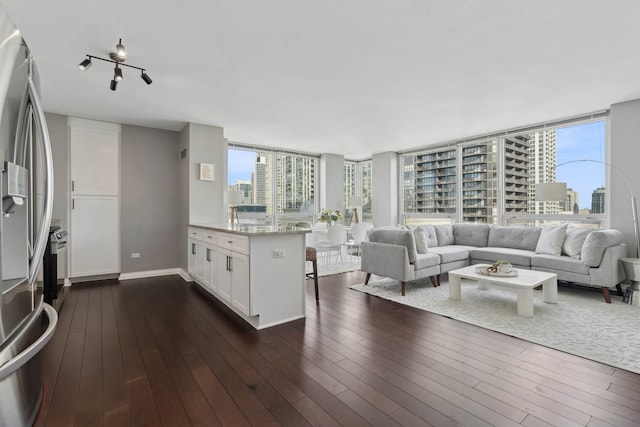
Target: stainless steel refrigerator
[26, 323]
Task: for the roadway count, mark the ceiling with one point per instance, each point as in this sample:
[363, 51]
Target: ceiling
[352, 77]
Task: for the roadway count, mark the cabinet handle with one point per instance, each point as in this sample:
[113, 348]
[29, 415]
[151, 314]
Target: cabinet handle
[208, 254]
[193, 249]
[73, 185]
[230, 263]
[229, 241]
[227, 262]
[73, 204]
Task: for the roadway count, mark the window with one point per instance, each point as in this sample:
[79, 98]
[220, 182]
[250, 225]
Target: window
[498, 175]
[366, 182]
[358, 182]
[279, 185]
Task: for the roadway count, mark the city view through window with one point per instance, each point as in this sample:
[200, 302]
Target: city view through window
[275, 186]
[431, 178]
[494, 173]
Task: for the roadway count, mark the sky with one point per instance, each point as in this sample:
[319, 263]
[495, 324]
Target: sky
[572, 143]
[585, 141]
[241, 164]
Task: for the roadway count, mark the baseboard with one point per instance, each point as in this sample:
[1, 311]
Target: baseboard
[156, 273]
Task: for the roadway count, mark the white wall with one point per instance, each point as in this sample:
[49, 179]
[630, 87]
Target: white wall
[331, 182]
[624, 154]
[385, 188]
[206, 144]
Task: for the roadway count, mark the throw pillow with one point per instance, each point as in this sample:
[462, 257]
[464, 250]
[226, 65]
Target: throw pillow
[422, 241]
[551, 239]
[573, 241]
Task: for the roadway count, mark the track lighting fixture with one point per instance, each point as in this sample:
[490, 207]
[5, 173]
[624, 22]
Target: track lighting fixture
[85, 64]
[146, 78]
[117, 58]
[117, 73]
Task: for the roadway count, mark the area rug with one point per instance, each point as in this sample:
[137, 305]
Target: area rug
[581, 323]
[350, 263]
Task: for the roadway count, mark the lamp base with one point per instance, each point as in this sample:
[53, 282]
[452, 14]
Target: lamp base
[632, 294]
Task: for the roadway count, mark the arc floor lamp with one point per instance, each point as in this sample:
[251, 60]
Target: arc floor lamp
[557, 191]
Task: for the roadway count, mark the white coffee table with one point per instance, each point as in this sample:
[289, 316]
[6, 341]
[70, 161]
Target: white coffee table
[523, 283]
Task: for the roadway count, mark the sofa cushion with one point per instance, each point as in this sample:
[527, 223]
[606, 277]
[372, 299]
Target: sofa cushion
[422, 243]
[563, 263]
[426, 260]
[444, 234]
[471, 234]
[395, 237]
[514, 256]
[451, 253]
[595, 244]
[514, 237]
[573, 241]
[432, 239]
[551, 239]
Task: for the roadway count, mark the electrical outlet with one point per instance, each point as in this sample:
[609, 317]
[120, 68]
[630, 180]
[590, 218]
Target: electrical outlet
[135, 255]
[279, 253]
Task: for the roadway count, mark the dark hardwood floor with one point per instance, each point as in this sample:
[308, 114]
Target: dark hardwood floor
[158, 352]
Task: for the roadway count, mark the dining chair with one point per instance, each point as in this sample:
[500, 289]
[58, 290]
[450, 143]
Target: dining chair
[336, 237]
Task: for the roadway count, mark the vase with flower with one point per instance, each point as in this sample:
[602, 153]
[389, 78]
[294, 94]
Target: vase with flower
[329, 217]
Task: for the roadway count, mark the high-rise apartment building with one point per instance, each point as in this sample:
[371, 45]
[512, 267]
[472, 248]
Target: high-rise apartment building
[542, 168]
[597, 201]
[572, 202]
[430, 178]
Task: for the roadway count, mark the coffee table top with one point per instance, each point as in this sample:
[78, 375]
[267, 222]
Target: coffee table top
[526, 278]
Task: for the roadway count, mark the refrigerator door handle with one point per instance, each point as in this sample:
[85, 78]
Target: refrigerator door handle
[42, 233]
[16, 362]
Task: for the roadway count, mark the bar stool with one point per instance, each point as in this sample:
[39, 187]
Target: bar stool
[311, 255]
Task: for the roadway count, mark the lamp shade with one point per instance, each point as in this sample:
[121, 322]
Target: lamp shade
[236, 197]
[551, 191]
[355, 201]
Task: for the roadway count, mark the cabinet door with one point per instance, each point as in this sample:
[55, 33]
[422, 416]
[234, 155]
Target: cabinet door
[240, 285]
[192, 261]
[201, 262]
[224, 274]
[207, 269]
[95, 244]
[94, 161]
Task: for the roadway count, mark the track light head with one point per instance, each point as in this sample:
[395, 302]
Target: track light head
[84, 65]
[146, 78]
[117, 73]
[120, 51]
[114, 84]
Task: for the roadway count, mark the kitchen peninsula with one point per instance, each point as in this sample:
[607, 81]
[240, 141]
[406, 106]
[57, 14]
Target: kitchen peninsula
[256, 270]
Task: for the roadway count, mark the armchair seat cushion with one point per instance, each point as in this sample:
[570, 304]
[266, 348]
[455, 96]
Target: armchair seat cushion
[426, 260]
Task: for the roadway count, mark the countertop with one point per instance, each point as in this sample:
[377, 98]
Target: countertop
[252, 229]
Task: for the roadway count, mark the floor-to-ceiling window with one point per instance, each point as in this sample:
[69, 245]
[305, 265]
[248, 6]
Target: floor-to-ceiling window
[280, 185]
[492, 179]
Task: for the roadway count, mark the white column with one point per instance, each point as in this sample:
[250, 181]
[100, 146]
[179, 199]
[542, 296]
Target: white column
[331, 182]
[385, 188]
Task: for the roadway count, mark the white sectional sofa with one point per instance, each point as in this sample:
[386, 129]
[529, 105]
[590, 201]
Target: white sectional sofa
[579, 255]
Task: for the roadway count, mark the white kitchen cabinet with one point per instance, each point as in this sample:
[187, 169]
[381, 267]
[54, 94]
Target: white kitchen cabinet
[202, 258]
[94, 228]
[240, 283]
[95, 243]
[224, 275]
[259, 270]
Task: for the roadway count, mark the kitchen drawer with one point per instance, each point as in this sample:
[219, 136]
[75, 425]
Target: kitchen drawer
[203, 235]
[234, 242]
